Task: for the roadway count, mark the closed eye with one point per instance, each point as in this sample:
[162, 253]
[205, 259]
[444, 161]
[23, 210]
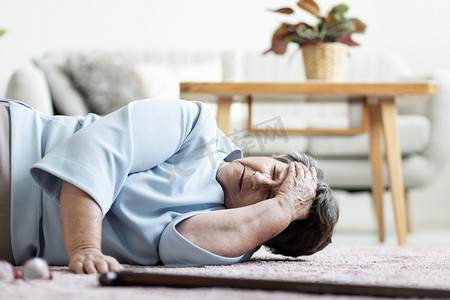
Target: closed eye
[274, 173]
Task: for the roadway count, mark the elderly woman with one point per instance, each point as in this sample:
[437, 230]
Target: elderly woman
[149, 183]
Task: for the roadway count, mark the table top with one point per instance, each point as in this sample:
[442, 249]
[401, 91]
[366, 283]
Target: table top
[393, 88]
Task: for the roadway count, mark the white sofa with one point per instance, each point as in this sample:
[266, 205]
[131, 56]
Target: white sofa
[75, 83]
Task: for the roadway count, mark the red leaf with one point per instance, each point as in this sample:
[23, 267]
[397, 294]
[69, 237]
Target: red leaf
[278, 47]
[310, 6]
[284, 10]
[360, 27]
[279, 39]
[347, 39]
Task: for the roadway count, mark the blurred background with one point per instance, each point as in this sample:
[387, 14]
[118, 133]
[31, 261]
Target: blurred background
[416, 30]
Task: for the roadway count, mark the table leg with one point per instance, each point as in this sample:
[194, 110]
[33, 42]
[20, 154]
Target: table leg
[394, 162]
[376, 159]
[223, 113]
[408, 213]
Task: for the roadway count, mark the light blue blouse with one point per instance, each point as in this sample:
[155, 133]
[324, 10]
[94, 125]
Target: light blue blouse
[149, 166]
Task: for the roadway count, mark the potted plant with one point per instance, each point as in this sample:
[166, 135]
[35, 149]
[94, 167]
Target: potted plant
[324, 45]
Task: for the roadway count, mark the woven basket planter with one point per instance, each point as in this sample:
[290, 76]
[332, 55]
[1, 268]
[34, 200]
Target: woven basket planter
[325, 61]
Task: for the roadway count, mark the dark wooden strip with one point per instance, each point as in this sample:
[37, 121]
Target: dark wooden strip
[130, 278]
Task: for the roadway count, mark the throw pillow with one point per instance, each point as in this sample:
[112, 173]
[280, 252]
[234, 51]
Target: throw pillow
[107, 83]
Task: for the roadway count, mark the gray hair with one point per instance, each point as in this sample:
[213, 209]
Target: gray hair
[305, 237]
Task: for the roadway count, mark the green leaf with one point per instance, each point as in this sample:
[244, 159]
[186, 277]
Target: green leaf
[284, 10]
[337, 29]
[305, 31]
[310, 6]
[337, 13]
[340, 9]
[2, 32]
[346, 38]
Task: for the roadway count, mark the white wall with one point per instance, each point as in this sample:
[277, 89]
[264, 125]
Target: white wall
[416, 29]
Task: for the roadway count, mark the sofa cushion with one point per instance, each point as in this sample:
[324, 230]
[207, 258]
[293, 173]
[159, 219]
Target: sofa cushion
[158, 80]
[301, 111]
[66, 98]
[282, 113]
[414, 135]
[264, 143]
[107, 84]
[356, 173]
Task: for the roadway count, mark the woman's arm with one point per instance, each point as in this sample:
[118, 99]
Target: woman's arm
[234, 232]
[82, 225]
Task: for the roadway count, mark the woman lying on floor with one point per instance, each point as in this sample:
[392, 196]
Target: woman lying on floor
[149, 183]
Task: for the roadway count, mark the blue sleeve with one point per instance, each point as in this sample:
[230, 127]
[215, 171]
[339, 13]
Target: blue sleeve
[98, 158]
[177, 251]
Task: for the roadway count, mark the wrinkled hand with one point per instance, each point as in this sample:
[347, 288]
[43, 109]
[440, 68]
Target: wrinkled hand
[92, 261]
[299, 190]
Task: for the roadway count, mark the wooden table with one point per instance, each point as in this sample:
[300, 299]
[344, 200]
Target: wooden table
[379, 119]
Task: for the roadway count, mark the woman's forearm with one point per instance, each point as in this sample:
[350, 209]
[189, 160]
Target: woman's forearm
[82, 225]
[81, 219]
[234, 232]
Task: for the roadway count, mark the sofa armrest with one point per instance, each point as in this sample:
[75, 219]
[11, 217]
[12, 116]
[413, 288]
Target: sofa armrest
[28, 84]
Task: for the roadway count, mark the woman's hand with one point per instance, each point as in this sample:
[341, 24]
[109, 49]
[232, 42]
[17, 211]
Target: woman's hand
[91, 261]
[299, 190]
[82, 225]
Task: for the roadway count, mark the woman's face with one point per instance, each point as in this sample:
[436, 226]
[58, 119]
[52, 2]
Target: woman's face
[250, 180]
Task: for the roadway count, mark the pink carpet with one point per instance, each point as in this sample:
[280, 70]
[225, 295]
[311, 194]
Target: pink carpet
[405, 266]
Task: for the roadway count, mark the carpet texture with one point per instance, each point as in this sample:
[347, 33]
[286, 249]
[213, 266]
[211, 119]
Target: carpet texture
[399, 266]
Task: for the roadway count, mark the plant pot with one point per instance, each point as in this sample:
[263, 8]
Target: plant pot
[325, 61]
